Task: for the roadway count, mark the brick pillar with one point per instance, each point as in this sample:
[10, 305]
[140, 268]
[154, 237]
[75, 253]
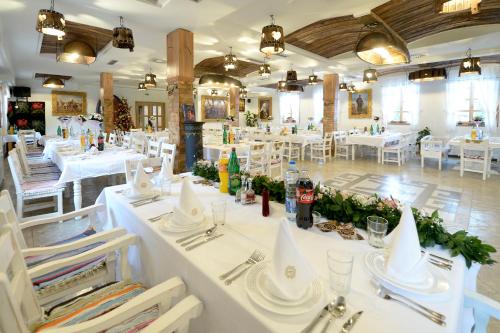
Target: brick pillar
[107, 101]
[234, 104]
[330, 102]
[180, 74]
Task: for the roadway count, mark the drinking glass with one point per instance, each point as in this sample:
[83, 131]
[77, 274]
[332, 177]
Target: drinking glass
[377, 228]
[340, 270]
[166, 187]
[316, 217]
[219, 212]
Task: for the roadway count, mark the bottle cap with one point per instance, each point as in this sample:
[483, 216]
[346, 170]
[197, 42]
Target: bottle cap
[292, 162]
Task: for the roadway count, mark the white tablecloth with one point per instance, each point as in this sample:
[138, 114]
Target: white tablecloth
[373, 140]
[228, 308]
[494, 142]
[211, 152]
[13, 137]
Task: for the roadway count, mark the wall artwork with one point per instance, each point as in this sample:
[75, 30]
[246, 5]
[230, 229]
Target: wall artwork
[189, 112]
[265, 107]
[68, 103]
[360, 104]
[214, 108]
[242, 105]
[27, 115]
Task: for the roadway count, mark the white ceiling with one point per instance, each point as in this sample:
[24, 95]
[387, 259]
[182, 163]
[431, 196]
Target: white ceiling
[217, 24]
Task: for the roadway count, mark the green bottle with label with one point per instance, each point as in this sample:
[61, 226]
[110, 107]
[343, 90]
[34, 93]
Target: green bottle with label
[234, 173]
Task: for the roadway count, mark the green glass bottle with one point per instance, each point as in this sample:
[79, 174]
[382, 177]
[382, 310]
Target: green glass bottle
[234, 173]
[59, 131]
[224, 135]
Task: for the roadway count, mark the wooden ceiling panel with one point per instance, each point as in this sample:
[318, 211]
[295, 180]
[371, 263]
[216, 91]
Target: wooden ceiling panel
[45, 75]
[216, 65]
[410, 20]
[96, 37]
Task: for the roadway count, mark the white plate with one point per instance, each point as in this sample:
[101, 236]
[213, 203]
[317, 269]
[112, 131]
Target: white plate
[167, 224]
[129, 195]
[434, 283]
[309, 302]
[263, 288]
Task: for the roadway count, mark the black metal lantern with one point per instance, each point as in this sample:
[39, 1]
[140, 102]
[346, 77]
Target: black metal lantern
[272, 40]
[265, 70]
[150, 79]
[50, 22]
[370, 75]
[343, 86]
[428, 74]
[380, 48]
[123, 38]
[313, 79]
[470, 65]
[141, 86]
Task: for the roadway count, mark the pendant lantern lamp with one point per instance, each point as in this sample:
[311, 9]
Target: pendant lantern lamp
[370, 75]
[343, 86]
[123, 38]
[50, 22]
[313, 79]
[272, 39]
[230, 61]
[77, 52]
[53, 83]
[351, 88]
[141, 86]
[214, 92]
[379, 47]
[429, 74]
[150, 79]
[265, 70]
[470, 65]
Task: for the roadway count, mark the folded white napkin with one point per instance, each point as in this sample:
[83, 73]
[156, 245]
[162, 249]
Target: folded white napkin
[141, 183]
[166, 172]
[189, 210]
[405, 261]
[290, 273]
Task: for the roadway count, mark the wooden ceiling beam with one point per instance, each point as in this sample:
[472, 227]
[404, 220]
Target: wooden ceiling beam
[387, 27]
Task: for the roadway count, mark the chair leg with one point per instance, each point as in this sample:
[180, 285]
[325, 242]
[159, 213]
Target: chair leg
[422, 162]
[60, 203]
[20, 206]
[439, 164]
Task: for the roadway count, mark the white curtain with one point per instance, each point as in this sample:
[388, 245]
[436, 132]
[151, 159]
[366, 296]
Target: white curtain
[398, 93]
[4, 96]
[454, 89]
[489, 90]
[289, 107]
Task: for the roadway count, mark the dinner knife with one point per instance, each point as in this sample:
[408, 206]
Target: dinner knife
[350, 322]
[206, 240]
[316, 319]
[181, 240]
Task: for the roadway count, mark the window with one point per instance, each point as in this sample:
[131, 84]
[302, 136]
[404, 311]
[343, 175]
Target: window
[400, 104]
[289, 108]
[466, 96]
[152, 113]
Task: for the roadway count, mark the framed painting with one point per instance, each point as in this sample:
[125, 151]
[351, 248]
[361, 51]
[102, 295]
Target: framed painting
[265, 107]
[242, 105]
[214, 108]
[27, 115]
[360, 104]
[69, 103]
[189, 112]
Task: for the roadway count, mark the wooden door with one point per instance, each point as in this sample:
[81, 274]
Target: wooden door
[152, 111]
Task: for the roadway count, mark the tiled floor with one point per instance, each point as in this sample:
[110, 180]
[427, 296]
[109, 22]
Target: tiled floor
[467, 202]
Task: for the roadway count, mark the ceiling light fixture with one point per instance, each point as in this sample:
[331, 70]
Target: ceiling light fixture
[381, 48]
[351, 88]
[343, 86]
[370, 75]
[281, 86]
[219, 80]
[214, 92]
[150, 79]
[272, 40]
[50, 22]
[230, 60]
[53, 83]
[141, 86]
[452, 6]
[77, 52]
[429, 74]
[123, 38]
[470, 65]
[291, 83]
[243, 92]
[313, 79]
[265, 70]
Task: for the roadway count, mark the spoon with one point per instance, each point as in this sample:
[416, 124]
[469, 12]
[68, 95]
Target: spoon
[205, 234]
[336, 310]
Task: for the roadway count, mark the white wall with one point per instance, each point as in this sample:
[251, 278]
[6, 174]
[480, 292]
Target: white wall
[41, 94]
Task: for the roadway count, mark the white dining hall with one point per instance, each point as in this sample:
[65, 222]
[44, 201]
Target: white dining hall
[250, 166]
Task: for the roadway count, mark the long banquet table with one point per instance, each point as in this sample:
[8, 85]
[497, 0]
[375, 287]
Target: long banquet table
[77, 166]
[378, 141]
[304, 139]
[227, 308]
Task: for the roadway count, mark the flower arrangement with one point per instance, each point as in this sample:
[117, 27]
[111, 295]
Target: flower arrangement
[250, 119]
[347, 207]
[97, 117]
[80, 119]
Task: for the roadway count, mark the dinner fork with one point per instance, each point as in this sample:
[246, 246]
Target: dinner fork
[150, 200]
[254, 258]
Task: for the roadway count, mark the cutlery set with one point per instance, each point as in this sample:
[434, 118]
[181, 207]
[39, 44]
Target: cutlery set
[256, 257]
[158, 217]
[440, 262]
[334, 310]
[206, 236]
[142, 202]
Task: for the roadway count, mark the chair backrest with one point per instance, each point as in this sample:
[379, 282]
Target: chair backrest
[474, 148]
[112, 139]
[127, 141]
[23, 159]
[19, 307]
[131, 166]
[276, 151]
[154, 148]
[139, 144]
[484, 308]
[327, 140]
[15, 170]
[8, 217]
[429, 143]
[168, 150]
[257, 153]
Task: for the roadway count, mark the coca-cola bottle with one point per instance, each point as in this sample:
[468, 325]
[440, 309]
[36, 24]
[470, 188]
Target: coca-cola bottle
[305, 200]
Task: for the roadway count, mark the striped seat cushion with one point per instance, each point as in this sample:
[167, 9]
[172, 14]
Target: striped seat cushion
[45, 186]
[98, 302]
[33, 261]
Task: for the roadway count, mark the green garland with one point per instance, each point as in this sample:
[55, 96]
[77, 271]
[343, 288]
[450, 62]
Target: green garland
[347, 207]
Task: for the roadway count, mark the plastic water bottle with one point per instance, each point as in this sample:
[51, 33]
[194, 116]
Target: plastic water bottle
[291, 177]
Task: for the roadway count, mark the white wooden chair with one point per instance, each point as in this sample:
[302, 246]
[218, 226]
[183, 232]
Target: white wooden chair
[275, 159]
[112, 139]
[127, 141]
[139, 144]
[291, 150]
[154, 148]
[168, 150]
[322, 150]
[76, 243]
[257, 159]
[475, 157]
[341, 147]
[432, 147]
[131, 166]
[38, 169]
[20, 310]
[30, 190]
[483, 308]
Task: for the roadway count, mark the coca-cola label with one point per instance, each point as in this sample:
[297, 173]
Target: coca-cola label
[305, 196]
